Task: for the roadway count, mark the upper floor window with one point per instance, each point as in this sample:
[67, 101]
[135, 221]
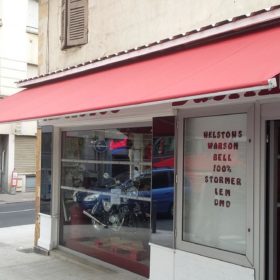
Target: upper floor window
[74, 22]
[32, 18]
[1, 23]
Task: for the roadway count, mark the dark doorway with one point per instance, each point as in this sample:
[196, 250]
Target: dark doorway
[273, 200]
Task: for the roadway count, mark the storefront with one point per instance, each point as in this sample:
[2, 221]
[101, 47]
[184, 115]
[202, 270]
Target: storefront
[180, 177]
[108, 204]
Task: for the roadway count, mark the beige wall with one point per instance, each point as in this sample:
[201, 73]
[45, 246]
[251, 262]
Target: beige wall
[124, 24]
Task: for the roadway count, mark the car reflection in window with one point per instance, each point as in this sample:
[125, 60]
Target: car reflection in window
[162, 190]
[161, 194]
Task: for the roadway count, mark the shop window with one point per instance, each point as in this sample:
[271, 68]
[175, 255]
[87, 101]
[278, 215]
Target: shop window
[74, 23]
[163, 181]
[106, 195]
[46, 170]
[216, 187]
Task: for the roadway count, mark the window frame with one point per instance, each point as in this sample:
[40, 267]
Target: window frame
[1, 13]
[47, 129]
[97, 127]
[246, 260]
[32, 23]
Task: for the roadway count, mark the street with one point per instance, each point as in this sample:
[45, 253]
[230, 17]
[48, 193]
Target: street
[15, 214]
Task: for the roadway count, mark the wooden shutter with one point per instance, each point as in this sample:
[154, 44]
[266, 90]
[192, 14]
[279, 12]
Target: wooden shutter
[25, 154]
[63, 24]
[77, 22]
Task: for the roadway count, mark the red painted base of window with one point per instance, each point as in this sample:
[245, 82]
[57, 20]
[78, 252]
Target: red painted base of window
[127, 259]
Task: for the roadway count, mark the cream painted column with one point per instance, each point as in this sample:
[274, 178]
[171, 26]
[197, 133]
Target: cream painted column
[49, 224]
[45, 231]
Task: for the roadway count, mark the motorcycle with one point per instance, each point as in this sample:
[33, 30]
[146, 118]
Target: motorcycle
[117, 206]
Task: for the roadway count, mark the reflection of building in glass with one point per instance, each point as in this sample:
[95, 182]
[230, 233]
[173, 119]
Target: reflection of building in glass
[103, 190]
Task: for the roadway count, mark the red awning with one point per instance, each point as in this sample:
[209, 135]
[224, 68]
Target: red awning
[245, 61]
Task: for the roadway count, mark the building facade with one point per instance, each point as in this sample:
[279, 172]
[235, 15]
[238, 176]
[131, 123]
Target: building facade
[159, 135]
[18, 60]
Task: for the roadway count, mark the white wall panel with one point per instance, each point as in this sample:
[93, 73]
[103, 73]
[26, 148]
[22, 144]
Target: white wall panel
[195, 267]
[168, 264]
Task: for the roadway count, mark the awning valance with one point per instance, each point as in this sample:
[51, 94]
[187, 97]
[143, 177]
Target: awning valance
[250, 60]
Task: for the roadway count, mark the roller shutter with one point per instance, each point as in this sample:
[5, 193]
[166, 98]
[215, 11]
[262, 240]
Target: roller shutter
[25, 154]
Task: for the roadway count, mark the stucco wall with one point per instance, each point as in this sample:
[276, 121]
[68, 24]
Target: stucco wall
[119, 25]
[26, 128]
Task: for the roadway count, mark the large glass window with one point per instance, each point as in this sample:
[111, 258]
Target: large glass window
[215, 182]
[46, 169]
[106, 194]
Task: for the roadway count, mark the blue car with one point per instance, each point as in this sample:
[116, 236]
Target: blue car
[161, 193]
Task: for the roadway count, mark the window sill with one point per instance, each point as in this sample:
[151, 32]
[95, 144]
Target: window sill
[218, 254]
[32, 30]
[163, 239]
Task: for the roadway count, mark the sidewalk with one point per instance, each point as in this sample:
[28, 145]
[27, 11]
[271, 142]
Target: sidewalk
[20, 262]
[17, 197]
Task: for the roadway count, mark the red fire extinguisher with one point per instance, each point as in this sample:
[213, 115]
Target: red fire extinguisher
[14, 181]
